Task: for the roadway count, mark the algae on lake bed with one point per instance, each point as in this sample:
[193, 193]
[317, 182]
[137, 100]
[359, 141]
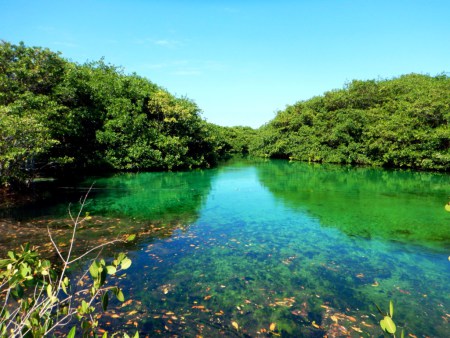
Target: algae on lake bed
[285, 248]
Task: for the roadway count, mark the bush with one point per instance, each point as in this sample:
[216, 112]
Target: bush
[39, 299]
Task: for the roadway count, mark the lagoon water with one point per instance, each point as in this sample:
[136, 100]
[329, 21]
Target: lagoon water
[260, 248]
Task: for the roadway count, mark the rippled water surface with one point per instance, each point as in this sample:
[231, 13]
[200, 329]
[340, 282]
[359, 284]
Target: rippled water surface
[261, 248]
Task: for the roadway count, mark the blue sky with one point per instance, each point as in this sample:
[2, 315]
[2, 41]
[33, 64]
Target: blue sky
[241, 61]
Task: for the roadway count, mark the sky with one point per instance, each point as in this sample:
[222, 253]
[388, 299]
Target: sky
[241, 61]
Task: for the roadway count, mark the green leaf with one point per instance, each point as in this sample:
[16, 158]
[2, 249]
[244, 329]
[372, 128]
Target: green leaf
[111, 270]
[120, 296]
[84, 307]
[136, 335]
[105, 335]
[65, 284]
[102, 276]
[120, 257]
[402, 335]
[105, 301]
[131, 238]
[94, 269]
[391, 309]
[4, 263]
[388, 325]
[72, 332]
[383, 325]
[49, 290]
[126, 263]
[63, 287]
[46, 263]
[18, 291]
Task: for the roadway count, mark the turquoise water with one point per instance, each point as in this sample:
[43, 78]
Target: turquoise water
[263, 248]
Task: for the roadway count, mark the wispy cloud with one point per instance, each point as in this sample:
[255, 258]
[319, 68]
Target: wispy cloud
[230, 10]
[198, 67]
[65, 44]
[187, 72]
[153, 65]
[46, 29]
[186, 67]
[167, 43]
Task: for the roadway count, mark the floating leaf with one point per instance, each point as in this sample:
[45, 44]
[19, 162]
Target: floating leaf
[128, 302]
[447, 207]
[131, 238]
[315, 325]
[272, 326]
[235, 325]
[357, 329]
[350, 318]
[391, 309]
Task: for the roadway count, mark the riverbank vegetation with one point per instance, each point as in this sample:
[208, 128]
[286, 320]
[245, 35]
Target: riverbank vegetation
[41, 297]
[401, 122]
[58, 117]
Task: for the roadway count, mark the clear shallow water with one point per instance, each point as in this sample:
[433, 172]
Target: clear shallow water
[291, 248]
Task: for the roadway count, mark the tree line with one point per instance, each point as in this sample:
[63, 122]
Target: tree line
[59, 117]
[401, 122]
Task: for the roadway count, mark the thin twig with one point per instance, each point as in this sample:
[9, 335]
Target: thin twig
[96, 248]
[55, 246]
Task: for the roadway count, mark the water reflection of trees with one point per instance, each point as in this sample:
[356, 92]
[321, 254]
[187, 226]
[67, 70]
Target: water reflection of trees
[173, 196]
[148, 204]
[364, 202]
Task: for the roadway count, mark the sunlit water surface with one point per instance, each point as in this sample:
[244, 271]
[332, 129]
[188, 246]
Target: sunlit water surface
[276, 248]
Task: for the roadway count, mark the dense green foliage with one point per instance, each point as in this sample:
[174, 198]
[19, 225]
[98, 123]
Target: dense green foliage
[233, 140]
[57, 116]
[403, 122]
